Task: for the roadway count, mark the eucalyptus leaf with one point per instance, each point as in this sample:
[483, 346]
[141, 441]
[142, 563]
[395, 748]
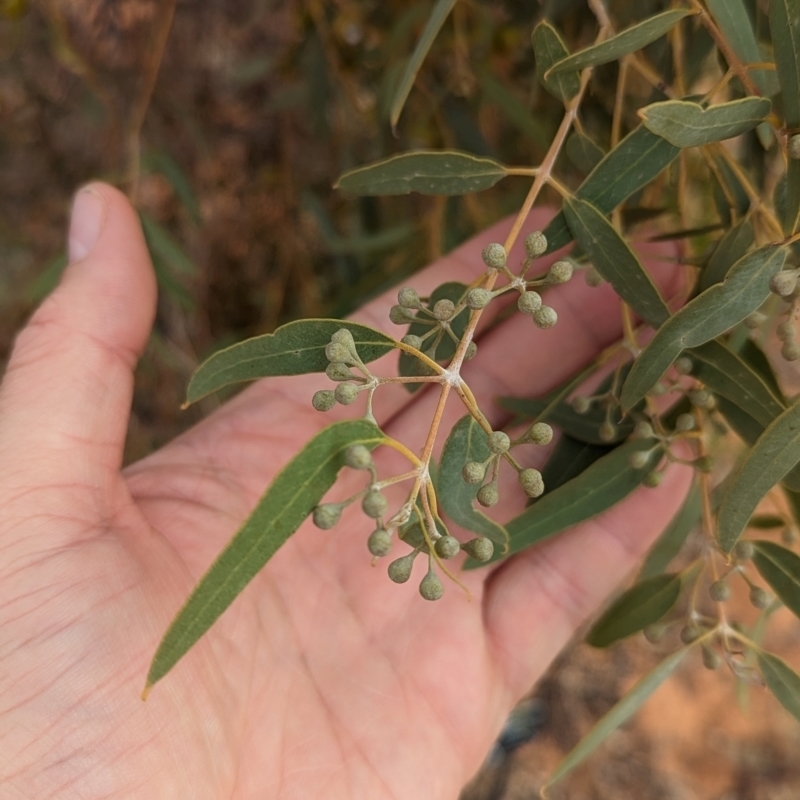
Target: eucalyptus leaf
[613, 258]
[784, 26]
[441, 11]
[549, 48]
[782, 681]
[618, 715]
[703, 318]
[438, 172]
[780, 568]
[731, 247]
[467, 442]
[775, 452]
[296, 348]
[641, 605]
[628, 41]
[630, 166]
[294, 493]
[688, 124]
[791, 216]
[583, 152]
[755, 357]
[765, 522]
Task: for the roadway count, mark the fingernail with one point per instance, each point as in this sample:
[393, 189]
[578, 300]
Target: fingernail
[86, 222]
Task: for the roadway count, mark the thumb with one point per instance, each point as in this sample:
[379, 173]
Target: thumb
[65, 399]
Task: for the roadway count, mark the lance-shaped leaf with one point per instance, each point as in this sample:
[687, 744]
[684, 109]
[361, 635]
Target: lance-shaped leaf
[670, 542]
[730, 248]
[294, 493]
[784, 26]
[635, 609]
[791, 214]
[618, 715]
[775, 452]
[688, 124]
[549, 48]
[440, 172]
[296, 348]
[439, 14]
[702, 319]
[782, 681]
[467, 442]
[632, 164]
[607, 481]
[780, 568]
[613, 258]
[410, 366]
[628, 41]
[583, 152]
[755, 357]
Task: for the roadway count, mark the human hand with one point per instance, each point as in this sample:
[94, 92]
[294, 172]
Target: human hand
[323, 679]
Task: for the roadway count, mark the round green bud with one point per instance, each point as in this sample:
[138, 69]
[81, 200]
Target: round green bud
[431, 587]
[529, 302]
[494, 255]
[790, 351]
[327, 515]
[374, 504]
[581, 404]
[755, 320]
[643, 430]
[400, 315]
[719, 591]
[783, 283]
[357, 456]
[702, 398]
[337, 352]
[592, 277]
[786, 330]
[412, 341]
[379, 542]
[759, 598]
[481, 549]
[545, 317]
[345, 393]
[447, 547]
[499, 442]
[471, 352]
[658, 389]
[473, 472]
[703, 464]
[343, 336]
[535, 244]
[323, 400]
[655, 633]
[408, 298]
[684, 423]
[690, 633]
[711, 659]
[793, 147]
[683, 365]
[560, 272]
[607, 431]
[652, 479]
[639, 459]
[444, 310]
[540, 433]
[400, 569]
[744, 550]
[479, 298]
[337, 371]
[531, 482]
[488, 495]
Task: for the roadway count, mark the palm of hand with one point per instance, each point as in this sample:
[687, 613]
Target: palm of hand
[323, 678]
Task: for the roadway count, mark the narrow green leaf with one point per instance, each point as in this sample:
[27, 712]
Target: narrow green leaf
[607, 481]
[780, 568]
[467, 442]
[753, 355]
[775, 452]
[730, 248]
[618, 715]
[163, 245]
[765, 522]
[161, 161]
[583, 152]
[688, 124]
[670, 542]
[784, 26]
[782, 681]
[791, 215]
[409, 366]
[613, 258]
[640, 606]
[441, 11]
[631, 165]
[703, 318]
[549, 48]
[441, 172]
[628, 41]
[294, 349]
[294, 493]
